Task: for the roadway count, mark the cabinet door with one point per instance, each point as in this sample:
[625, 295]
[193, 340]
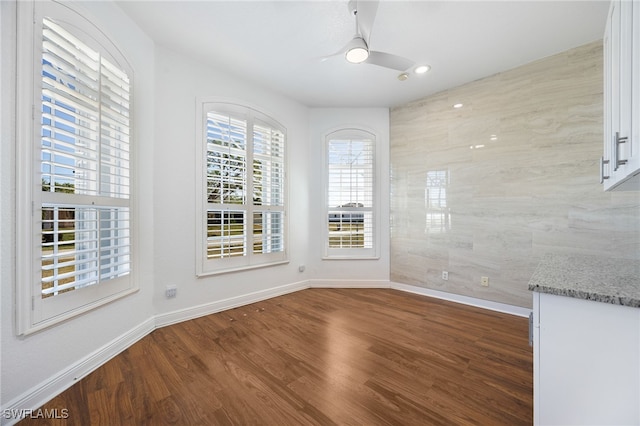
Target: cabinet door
[611, 44]
[634, 145]
[622, 127]
[587, 357]
[621, 160]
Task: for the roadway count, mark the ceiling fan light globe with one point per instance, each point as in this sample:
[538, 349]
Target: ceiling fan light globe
[357, 55]
[357, 50]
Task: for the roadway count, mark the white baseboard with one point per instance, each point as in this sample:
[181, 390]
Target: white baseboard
[163, 320]
[465, 300]
[349, 283]
[43, 392]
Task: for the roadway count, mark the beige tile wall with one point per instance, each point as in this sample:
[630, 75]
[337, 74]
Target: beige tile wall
[487, 189]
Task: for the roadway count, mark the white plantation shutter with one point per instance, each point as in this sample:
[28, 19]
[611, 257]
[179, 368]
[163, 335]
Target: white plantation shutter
[268, 232]
[350, 193]
[70, 122]
[268, 189]
[82, 212]
[226, 233]
[268, 166]
[226, 141]
[226, 159]
[86, 246]
[85, 117]
[244, 190]
[115, 127]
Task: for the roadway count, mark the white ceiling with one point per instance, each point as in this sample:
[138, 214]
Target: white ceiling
[278, 44]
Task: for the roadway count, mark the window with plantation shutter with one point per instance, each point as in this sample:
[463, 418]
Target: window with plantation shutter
[82, 188]
[350, 200]
[243, 189]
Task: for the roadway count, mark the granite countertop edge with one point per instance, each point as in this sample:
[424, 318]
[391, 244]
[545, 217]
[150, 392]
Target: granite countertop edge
[586, 295]
[612, 281]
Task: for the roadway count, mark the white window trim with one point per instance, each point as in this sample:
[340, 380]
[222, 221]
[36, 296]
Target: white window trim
[355, 131]
[204, 266]
[29, 307]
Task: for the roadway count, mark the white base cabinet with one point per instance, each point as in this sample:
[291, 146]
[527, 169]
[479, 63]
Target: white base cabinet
[586, 362]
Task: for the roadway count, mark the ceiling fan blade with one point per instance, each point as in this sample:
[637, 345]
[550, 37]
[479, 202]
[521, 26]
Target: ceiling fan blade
[367, 10]
[342, 50]
[388, 60]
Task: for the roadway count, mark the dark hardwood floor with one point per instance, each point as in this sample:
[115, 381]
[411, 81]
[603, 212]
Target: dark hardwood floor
[318, 357]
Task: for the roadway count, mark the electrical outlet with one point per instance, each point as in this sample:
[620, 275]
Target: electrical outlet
[170, 291]
[484, 281]
[445, 275]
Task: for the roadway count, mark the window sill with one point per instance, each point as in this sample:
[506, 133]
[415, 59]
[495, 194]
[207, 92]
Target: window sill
[240, 269]
[351, 258]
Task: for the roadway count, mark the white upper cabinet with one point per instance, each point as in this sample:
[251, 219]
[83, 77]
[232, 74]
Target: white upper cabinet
[620, 165]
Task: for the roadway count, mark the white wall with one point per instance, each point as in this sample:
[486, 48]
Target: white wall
[36, 364]
[167, 85]
[7, 27]
[180, 83]
[351, 272]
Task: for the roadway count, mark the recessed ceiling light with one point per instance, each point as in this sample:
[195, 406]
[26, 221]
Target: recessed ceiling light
[457, 105]
[421, 69]
[404, 76]
[493, 138]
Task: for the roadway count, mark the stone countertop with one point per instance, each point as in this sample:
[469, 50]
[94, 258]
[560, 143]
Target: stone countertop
[615, 281]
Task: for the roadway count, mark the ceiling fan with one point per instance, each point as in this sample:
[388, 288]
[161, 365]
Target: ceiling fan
[357, 50]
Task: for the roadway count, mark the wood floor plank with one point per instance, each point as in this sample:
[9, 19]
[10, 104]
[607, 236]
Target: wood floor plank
[318, 357]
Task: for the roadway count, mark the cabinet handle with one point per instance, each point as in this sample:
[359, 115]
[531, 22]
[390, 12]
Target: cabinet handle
[530, 328]
[619, 140]
[602, 163]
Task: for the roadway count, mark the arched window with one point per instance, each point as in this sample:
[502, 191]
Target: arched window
[242, 165]
[75, 166]
[350, 194]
